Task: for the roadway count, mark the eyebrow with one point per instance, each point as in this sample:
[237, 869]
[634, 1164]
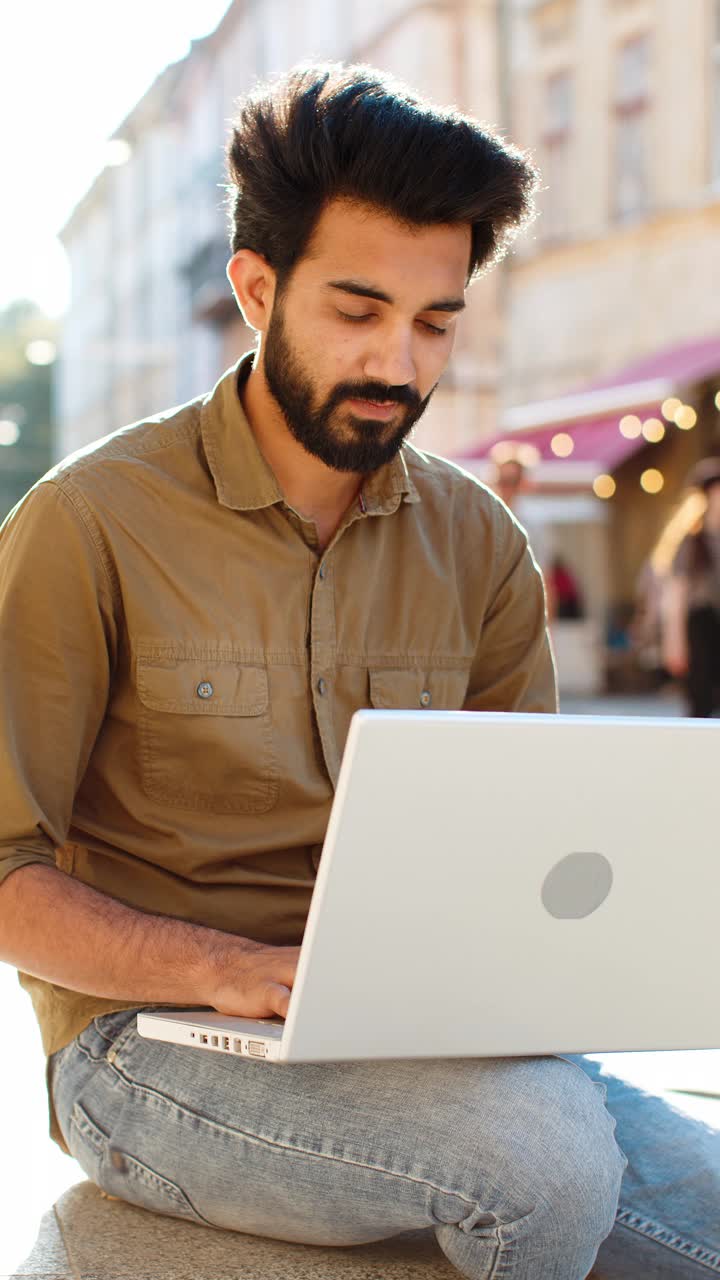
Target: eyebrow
[362, 290]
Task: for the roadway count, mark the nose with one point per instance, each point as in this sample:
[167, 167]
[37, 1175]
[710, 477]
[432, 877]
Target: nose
[392, 361]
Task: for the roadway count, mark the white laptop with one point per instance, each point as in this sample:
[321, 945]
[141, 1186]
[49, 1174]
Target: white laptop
[498, 884]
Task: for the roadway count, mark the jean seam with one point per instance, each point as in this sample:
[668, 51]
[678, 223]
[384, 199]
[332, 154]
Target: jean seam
[282, 1146]
[108, 1039]
[665, 1236]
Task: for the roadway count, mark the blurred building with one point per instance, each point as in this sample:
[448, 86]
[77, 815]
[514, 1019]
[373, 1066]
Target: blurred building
[604, 311]
[611, 315]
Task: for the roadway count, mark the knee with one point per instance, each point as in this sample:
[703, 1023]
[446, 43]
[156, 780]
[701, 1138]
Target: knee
[576, 1164]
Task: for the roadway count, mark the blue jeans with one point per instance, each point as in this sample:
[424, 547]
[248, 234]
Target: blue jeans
[530, 1168]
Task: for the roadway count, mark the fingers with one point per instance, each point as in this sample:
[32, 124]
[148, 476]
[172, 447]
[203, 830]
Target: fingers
[277, 998]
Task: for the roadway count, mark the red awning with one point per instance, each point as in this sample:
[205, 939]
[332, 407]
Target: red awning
[591, 415]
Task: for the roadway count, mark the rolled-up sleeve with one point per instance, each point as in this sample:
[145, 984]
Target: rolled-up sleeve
[513, 668]
[57, 646]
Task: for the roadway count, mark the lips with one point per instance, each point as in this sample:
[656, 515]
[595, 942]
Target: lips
[382, 408]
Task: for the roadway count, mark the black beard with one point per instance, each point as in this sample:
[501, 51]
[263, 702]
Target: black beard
[372, 443]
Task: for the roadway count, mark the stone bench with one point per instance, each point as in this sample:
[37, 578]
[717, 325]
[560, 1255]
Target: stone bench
[86, 1236]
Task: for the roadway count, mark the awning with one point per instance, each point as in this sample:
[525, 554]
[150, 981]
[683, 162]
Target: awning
[592, 414]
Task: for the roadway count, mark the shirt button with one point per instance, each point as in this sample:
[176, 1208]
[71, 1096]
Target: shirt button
[425, 698]
[321, 571]
[205, 689]
[321, 686]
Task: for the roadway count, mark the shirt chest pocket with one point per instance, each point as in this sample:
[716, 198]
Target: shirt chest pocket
[206, 737]
[418, 690]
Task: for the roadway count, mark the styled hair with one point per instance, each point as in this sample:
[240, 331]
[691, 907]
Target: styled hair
[333, 130]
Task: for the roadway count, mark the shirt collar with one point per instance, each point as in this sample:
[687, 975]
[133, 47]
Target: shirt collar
[242, 477]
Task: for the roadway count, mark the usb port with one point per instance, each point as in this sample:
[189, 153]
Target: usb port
[237, 1045]
[214, 1042]
[203, 1039]
[226, 1042]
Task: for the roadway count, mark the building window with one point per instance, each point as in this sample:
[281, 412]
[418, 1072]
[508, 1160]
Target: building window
[631, 110]
[715, 91]
[555, 145]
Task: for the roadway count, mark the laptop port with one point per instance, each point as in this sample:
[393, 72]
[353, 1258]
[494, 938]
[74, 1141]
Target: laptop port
[226, 1042]
[214, 1042]
[237, 1045]
[203, 1039]
[256, 1048]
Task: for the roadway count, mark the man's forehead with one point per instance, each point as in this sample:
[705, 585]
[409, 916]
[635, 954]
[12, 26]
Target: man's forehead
[358, 243]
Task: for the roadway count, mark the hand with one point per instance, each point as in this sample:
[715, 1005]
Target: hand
[250, 980]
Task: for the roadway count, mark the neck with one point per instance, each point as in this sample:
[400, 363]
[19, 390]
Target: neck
[314, 490]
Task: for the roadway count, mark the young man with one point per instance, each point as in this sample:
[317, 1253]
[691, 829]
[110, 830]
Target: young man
[192, 610]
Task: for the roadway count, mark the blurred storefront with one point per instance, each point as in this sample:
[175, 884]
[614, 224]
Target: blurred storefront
[606, 469]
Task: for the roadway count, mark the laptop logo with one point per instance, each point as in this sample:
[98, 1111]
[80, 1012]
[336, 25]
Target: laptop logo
[577, 885]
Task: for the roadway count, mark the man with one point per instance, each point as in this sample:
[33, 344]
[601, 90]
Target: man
[192, 609]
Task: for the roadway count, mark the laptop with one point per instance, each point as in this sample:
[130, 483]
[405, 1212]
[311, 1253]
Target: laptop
[498, 884]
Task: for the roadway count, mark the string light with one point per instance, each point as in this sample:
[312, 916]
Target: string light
[685, 417]
[604, 486]
[562, 444]
[670, 407]
[653, 430]
[652, 480]
[630, 426]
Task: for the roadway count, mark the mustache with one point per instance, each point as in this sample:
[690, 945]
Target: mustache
[372, 391]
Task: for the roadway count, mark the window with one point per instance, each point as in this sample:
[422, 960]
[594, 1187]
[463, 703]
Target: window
[556, 149]
[629, 169]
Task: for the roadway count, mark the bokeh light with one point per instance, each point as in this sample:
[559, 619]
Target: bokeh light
[670, 407]
[685, 417]
[604, 486]
[9, 431]
[653, 430]
[40, 351]
[630, 426]
[562, 444]
[652, 480]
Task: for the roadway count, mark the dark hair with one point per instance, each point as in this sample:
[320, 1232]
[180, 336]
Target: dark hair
[331, 130]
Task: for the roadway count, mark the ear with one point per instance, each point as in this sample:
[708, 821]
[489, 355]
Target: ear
[253, 283]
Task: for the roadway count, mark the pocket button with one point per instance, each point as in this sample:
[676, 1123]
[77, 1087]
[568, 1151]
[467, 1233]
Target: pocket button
[205, 689]
[425, 698]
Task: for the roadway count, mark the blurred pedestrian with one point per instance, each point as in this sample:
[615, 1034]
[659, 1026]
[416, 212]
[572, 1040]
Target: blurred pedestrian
[691, 639]
[565, 591]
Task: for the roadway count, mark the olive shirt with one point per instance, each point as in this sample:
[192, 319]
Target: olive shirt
[179, 663]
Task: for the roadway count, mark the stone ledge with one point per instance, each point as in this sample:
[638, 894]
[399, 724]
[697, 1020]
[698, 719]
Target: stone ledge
[89, 1237]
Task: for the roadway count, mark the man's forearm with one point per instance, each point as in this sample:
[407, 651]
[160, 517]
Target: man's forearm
[59, 929]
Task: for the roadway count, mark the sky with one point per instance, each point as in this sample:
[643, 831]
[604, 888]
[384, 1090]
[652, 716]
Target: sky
[70, 71]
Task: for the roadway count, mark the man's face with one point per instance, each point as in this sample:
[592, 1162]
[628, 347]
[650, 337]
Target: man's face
[361, 333]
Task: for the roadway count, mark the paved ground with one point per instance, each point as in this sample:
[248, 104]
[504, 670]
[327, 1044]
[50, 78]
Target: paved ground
[34, 1173]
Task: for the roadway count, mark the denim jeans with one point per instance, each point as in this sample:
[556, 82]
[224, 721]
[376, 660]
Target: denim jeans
[535, 1168]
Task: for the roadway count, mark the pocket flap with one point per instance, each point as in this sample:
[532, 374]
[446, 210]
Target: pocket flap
[418, 690]
[202, 686]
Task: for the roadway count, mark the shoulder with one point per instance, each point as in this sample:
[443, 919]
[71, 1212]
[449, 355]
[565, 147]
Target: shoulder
[145, 443]
[462, 500]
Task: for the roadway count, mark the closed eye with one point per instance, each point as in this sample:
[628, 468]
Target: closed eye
[369, 315]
